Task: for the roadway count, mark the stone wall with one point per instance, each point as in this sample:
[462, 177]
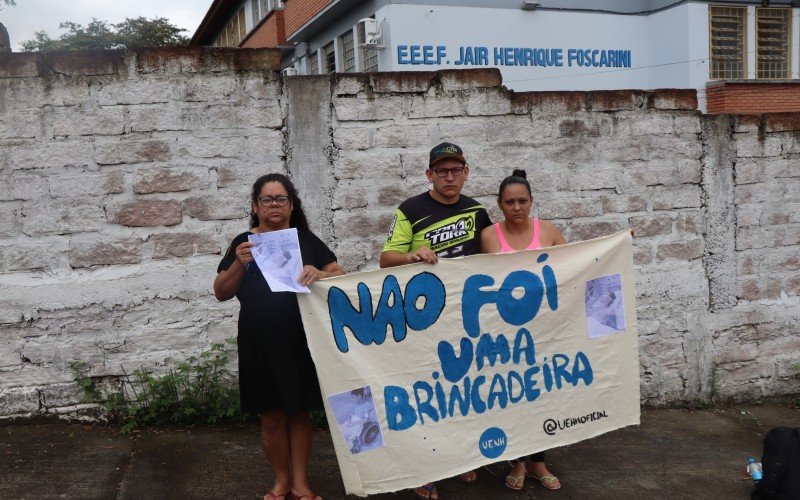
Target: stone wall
[122, 178]
[124, 175]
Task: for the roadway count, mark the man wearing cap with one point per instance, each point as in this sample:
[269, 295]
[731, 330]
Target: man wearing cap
[440, 222]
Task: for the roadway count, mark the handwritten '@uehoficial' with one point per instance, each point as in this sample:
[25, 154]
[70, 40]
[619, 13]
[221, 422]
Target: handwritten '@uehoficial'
[452, 390]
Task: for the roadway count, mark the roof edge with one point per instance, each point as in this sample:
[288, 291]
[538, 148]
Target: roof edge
[219, 9]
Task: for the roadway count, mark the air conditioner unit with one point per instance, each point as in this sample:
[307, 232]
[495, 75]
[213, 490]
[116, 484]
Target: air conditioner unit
[290, 71]
[372, 34]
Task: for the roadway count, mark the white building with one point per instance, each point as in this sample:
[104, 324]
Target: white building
[553, 45]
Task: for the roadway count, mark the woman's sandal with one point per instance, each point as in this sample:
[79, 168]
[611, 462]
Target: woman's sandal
[271, 495]
[554, 483]
[430, 490]
[515, 483]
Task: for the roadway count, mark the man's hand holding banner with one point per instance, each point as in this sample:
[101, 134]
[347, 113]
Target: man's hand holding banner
[432, 370]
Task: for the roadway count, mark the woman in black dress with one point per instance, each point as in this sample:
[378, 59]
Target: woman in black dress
[277, 378]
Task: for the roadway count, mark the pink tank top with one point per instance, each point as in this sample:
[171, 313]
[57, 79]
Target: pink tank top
[535, 244]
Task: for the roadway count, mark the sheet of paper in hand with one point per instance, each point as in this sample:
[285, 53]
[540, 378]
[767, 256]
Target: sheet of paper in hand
[428, 371]
[277, 254]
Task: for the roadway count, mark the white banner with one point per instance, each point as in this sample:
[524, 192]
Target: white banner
[429, 371]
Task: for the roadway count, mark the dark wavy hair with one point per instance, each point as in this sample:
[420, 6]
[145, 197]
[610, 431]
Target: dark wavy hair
[517, 177]
[298, 217]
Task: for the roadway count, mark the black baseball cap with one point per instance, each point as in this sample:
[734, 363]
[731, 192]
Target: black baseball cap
[446, 150]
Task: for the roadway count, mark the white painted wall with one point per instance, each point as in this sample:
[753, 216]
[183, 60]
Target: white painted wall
[669, 46]
[795, 40]
[447, 26]
[698, 44]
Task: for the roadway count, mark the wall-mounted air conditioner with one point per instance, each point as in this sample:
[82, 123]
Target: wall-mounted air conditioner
[370, 34]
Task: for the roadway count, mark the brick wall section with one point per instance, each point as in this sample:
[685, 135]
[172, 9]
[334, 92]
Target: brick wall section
[124, 175]
[299, 12]
[757, 356]
[753, 98]
[600, 162]
[270, 33]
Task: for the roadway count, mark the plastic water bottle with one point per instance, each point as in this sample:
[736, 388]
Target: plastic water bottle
[754, 468]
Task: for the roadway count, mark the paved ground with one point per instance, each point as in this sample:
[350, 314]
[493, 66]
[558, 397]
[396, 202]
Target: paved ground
[674, 454]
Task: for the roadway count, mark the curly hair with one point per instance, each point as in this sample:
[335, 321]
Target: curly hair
[298, 217]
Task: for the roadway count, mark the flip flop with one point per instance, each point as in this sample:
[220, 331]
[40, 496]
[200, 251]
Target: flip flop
[468, 477]
[310, 496]
[430, 488]
[554, 483]
[271, 495]
[515, 483]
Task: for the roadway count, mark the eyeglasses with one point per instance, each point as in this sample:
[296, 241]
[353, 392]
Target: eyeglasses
[442, 172]
[281, 200]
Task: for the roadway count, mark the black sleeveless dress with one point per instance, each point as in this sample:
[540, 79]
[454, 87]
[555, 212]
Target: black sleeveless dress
[275, 367]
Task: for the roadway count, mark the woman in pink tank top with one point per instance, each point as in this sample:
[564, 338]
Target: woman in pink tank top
[521, 232]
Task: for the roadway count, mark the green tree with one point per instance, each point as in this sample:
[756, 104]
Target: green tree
[100, 35]
[142, 32]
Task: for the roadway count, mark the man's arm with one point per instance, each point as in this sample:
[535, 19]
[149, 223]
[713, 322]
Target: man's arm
[392, 258]
[397, 250]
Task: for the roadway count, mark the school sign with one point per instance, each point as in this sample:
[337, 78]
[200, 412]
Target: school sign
[432, 370]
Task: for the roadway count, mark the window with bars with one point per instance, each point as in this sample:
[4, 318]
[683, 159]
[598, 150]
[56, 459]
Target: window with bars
[772, 42]
[727, 53]
[229, 36]
[313, 63]
[369, 57]
[240, 26]
[263, 7]
[370, 60]
[348, 51]
[234, 31]
[329, 58]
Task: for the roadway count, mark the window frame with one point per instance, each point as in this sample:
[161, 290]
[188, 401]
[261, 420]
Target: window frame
[328, 51]
[255, 11]
[241, 22]
[787, 45]
[368, 57]
[715, 72]
[313, 62]
[348, 64]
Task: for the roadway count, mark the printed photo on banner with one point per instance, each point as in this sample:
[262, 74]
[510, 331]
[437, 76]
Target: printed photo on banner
[605, 310]
[357, 419]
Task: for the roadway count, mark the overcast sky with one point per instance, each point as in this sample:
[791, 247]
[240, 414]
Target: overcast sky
[30, 16]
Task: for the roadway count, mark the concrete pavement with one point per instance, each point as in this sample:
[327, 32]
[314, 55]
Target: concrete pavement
[673, 454]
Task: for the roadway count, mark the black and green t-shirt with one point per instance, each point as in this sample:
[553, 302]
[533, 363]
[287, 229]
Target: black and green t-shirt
[449, 230]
